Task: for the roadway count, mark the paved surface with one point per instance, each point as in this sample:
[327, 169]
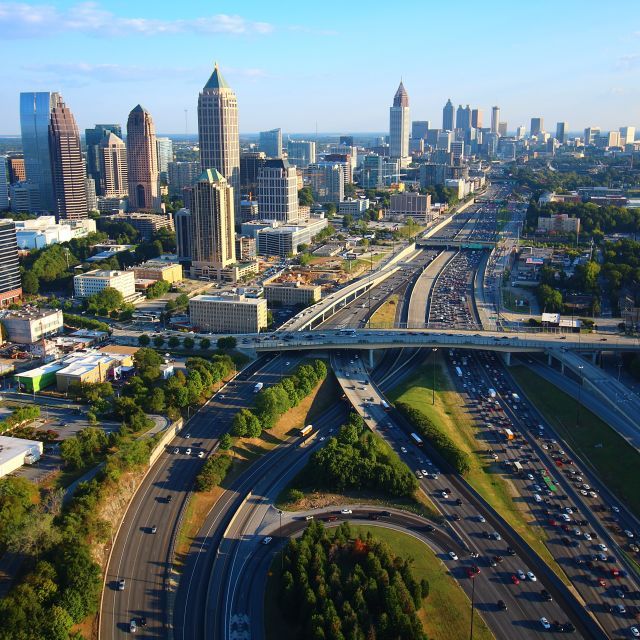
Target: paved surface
[421, 292]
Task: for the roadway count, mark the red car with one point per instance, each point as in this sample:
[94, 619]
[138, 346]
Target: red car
[470, 572]
[602, 582]
[552, 522]
[615, 573]
[515, 579]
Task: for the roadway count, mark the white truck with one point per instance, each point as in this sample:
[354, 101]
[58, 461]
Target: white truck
[258, 387]
[492, 393]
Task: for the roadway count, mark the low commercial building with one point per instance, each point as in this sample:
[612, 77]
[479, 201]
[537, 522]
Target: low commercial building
[560, 223]
[145, 223]
[86, 368]
[37, 379]
[121, 352]
[44, 231]
[30, 324]
[15, 452]
[411, 204]
[92, 282]
[228, 313]
[353, 206]
[273, 239]
[292, 293]
[154, 270]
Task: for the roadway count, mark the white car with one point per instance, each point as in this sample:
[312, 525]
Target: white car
[267, 540]
[565, 517]
[603, 547]
[176, 450]
[444, 494]
[201, 454]
[188, 451]
[453, 555]
[635, 632]
[628, 533]
[403, 449]
[481, 519]
[346, 512]
[424, 472]
[521, 574]
[545, 623]
[587, 535]
[530, 476]
[133, 626]
[532, 576]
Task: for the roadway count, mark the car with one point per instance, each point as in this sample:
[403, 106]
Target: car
[511, 551]
[514, 579]
[629, 533]
[267, 540]
[521, 574]
[121, 584]
[502, 605]
[176, 450]
[481, 519]
[603, 547]
[169, 498]
[498, 559]
[620, 593]
[310, 517]
[346, 512]
[545, 623]
[403, 449]
[587, 535]
[444, 494]
[142, 621]
[635, 632]
[188, 451]
[453, 555]
[459, 502]
[154, 529]
[200, 454]
[621, 609]
[532, 576]
[133, 626]
[546, 596]
[188, 435]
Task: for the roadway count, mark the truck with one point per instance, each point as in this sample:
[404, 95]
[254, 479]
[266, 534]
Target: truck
[508, 434]
[492, 393]
[258, 387]
[517, 467]
[417, 440]
[459, 372]
[305, 431]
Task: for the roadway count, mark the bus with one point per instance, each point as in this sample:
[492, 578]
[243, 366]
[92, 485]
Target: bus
[305, 431]
[385, 405]
[549, 483]
[417, 440]
[459, 372]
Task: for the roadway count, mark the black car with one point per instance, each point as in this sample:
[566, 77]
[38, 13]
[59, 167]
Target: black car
[567, 627]
[455, 517]
[169, 498]
[374, 516]
[386, 514]
[458, 502]
[502, 605]
[511, 551]
[142, 622]
[546, 595]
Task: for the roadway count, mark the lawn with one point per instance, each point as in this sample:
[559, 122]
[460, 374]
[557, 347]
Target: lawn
[450, 413]
[446, 610]
[614, 460]
[385, 315]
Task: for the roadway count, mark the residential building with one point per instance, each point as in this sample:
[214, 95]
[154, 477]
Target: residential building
[448, 116]
[17, 172]
[111, 205]
[326, 179]
[355, 207]
[92, 199]
[246, 250]
[10, 283]
[67, 164]
[457, 149]
[219, 137]
[419, 129]
[147, 224]
[4, 183]
[301, 153]
[591, 134]
[158, 270]
[184, 231]
[560, 223]
[495, 119]
[213, 222]
[182, 175]
[561, 132]
[399, 123]
[278, 191]
[249, 210]
[290, 294]
[113, 171]
[270, 143]
[250, 164]
[25, 197]
[92, 282]
[627, 135]
[410, 204]
[476, 118]
[390, 172]
[93, 139]
[228, 313]
[35, 117]
[30, 324]
[142, 161]
[165, 156]
[537, 126]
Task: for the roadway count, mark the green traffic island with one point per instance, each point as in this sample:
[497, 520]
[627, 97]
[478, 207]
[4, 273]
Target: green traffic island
[362, 582]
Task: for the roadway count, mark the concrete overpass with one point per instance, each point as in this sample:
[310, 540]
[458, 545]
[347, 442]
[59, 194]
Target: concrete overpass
[449, 243]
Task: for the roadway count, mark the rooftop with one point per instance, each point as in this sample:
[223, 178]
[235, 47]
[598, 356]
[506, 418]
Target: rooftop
[216, 81]
[231, 298]
[51, 367]
[12, 447]
[31, 313]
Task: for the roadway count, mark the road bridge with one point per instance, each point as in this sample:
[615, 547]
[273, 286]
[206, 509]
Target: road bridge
[450, 243]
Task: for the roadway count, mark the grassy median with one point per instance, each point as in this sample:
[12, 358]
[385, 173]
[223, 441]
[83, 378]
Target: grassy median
[384, 316]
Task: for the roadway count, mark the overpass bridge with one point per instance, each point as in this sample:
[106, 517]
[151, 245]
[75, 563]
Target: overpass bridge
[450, 243]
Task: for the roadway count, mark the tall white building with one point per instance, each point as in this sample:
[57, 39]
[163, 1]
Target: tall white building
[627, 135]
[278, 191]
[495, 119]
[114, 173]
[399, 126]
[165, 155]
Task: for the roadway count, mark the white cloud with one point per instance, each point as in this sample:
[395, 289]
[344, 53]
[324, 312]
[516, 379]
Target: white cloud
[22, 20]
[630, 61]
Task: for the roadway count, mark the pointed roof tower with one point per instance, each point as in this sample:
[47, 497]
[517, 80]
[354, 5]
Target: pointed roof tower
[401, 99]
[216, 81]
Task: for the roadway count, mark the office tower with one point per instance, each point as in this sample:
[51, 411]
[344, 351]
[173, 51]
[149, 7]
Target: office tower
[4, 183]
[346, 140]
[611, 139]
[212, 215]
[90, 190]
[10, 286]
[16, 169]
[184, 233]
[218, 132]
[448, 116]
[278, 191]
[399, 124]
[561, 132]
[165, 156]
[142, 161]
[520, 132]
[463, 118]
[250, 164]
[502, 128]
[627, 135]
[495, 119]
[326, 179]
[491, 141]
[537, 126]
[182, 175]
[591, 134]
[457, 149]
[344, 160]
[113, 170]
[271, 143]
[445, 138]
[301, 153]
[476, 118]
[67, 164]
[371, 172]
[93, 138]
[25, 197]
[35, 115]
[419, 128]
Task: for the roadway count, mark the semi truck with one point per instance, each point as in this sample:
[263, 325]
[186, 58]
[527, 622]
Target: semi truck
[258, 387]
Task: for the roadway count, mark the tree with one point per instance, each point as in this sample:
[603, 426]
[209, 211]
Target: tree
[109, 299]
[147, 362]
[305, 196]
[225, 343]
[144, 340]
[350, 190]
[205, 344]
[226, 441]
[30, 283]
[158, 341]
[156, 401]
[182, 301]
[304, 259]
[174, 342]
[550, 299]
[188, 343]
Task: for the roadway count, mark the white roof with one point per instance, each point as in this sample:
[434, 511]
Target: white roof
[13, 447]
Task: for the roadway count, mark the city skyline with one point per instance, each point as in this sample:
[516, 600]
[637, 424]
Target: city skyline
[585, 80]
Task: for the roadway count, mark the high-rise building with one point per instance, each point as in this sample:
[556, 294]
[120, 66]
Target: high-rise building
[165, 156]
[250, 164]
[213, 221]
[502, 128]
[184, 234]
[591, 134]
[16, 169]
[419, 129]
[93, 138]
[35, 116]
[4, 183]
[561, 132]
[399, 124]
[113, 167]
[537, 126]
[476, 118]
[627, 135]
[371, 173]
[326, 179]
[67, 164]
[92, 199]
[25, 197]
[218, 132]
[301, 153]
[271, 143]
[444, 140]
[142, 161]
[278, 191]
[495, 119]
[10, 284]
[521, 132]
[448, 116]
[457, 149]
[182, 175]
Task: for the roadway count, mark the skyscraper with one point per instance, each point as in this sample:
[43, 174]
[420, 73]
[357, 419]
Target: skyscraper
[502, 128]
[537, 126]
[165, 156]
[67, 164]
[35, 114]
[448, 116]
[561, 132]
[142, 161]
[463, 118]
[271, 143]
[399, 124]
[4, 183]
[495, 119]
[182, 175]
[419, 128]
[278, 191]
[627, 135]
[476, 118]
[301, 153]
[460, 117]
[213, 221]
[93, 138]
[218, 132]
[326, 180]
[10, 287]
[113, 167]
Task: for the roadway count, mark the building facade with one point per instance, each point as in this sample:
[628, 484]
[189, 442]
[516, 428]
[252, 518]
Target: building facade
[537, 126]
[476, 118]
[326, 180]
[301, 153]
[4, 183]
[30, 324]
[228, 314]
[165, 156]
[561, 132]
[92, 282]
[399, 125]
[291, 294]
[142, 161]
[448, 116]
[114, 174]
[184, 232]
[145, 223]
[93, 139]
[410, 204]
[10, 282]
[182, 175]
[16, 169]
[495, 119]
[158, 270]
[270, 142]
[278, 191]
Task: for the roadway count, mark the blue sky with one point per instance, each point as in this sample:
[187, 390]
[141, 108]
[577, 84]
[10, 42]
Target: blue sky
[334, 63]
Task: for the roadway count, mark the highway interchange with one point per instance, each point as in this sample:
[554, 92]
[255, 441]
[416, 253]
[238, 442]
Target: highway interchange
[226, 602]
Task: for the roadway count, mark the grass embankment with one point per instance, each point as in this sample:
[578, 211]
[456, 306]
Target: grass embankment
[484, 476]
[509, 302]
[445, 613]
[361, 264]
[385, 315]
[612, 457]
[245, 451]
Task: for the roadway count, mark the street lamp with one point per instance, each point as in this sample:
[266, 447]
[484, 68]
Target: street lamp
[580, 368]
[433, 385]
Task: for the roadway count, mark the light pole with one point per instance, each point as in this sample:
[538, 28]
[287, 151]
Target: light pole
[580, 368]
[433, 385]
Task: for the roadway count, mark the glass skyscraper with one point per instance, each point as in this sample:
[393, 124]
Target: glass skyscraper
[35, 114]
